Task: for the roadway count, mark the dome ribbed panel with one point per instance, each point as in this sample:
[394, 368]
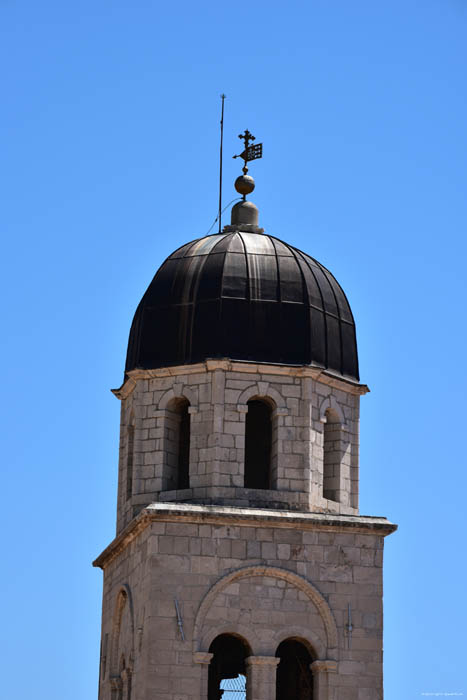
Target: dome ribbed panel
[245, 296]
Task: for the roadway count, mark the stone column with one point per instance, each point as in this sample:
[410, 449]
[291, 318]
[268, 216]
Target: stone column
[261, 677]
[320, 670]
[203, 658]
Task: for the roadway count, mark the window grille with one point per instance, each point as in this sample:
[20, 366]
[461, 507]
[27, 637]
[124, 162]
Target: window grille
[234, 688]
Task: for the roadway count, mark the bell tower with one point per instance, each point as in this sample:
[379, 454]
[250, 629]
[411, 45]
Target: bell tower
[241, 566]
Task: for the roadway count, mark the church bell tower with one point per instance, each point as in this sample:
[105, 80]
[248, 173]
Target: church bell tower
[241, 566]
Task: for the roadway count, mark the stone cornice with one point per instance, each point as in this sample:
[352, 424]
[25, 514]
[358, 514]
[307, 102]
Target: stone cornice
[325, 376]
[242, 517]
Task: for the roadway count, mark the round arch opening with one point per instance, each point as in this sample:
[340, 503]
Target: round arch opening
[227, 670]
[294, 679]
[258, 444]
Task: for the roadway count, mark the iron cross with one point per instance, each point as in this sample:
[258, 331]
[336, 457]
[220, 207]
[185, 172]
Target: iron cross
[251, 152]
[246, 137]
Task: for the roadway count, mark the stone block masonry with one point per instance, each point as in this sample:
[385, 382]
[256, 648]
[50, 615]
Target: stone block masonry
[218, 391]
[292, 562]
[262, 575]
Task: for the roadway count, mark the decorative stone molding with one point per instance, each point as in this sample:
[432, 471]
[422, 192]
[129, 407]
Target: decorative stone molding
[263, 388]
[222, 515]
[246, 634]
[202, 657]
[305, 635]
[166, 398]
[324, 376]
[257, 390]
[275, 572]
[177, 389]
[331, 403]
[189, 394]
[176, 392]
[124, 598]
[125, 390]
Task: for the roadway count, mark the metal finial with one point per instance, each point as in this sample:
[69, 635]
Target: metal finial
[251, 152]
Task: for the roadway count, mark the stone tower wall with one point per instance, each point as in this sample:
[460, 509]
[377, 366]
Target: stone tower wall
[263, 576]
[218, 392]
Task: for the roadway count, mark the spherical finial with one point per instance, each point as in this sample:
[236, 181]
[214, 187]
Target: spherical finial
[244, 184]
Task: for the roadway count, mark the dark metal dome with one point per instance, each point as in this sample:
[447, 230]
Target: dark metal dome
[244, 296]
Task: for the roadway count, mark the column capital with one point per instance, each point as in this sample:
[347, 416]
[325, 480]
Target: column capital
[202, 657]
[262, 661]
[322, 665]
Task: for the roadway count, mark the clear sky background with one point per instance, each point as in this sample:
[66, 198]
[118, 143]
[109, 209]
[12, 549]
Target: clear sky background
[110, 128]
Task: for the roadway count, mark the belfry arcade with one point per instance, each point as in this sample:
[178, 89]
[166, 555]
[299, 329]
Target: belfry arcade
[241, 566]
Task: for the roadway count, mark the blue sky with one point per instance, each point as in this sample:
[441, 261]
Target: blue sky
[109, 129]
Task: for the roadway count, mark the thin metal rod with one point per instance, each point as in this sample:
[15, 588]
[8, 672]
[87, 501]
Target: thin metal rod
[220, 164]
[179, 619]
[349, 626]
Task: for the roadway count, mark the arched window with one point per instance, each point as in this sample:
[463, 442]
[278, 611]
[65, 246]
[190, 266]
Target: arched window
[294, 679]
[227, 674]
[332, 456]
[177, 434]
[258, 442]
